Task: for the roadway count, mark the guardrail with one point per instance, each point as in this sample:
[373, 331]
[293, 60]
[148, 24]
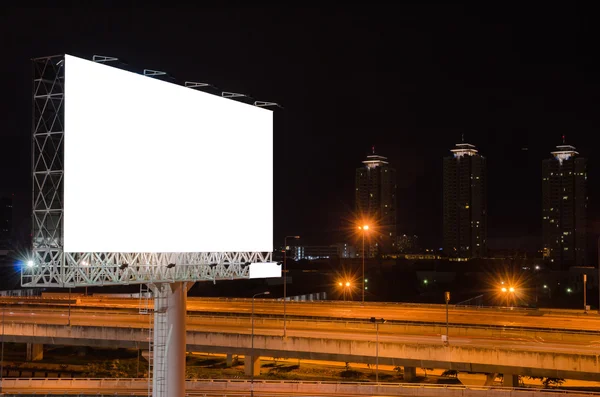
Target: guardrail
[273, 386]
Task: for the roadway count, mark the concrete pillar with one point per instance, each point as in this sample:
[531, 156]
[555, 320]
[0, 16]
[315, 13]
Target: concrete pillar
[168, 349]
[410, 373]
[229, 360]
[177, 309]
[35, 351]
[510, 380]
[490, 379]
[251, 365]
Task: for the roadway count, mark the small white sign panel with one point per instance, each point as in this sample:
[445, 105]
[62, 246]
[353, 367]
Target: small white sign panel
[265, 270]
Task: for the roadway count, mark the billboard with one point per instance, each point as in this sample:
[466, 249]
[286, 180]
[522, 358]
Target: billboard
[151, 166]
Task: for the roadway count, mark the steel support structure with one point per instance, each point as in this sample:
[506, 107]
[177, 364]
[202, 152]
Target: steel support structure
[168, 275]
[168, 349]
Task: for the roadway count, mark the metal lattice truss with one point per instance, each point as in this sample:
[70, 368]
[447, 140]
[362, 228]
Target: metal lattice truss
[48, 151]
[50, 266]
[136, 268]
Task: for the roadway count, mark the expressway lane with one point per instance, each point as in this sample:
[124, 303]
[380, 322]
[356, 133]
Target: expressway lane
[398, 312]
[538, 319]
[303, 329]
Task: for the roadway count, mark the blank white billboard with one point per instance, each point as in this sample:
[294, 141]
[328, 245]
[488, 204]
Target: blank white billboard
[152, 166]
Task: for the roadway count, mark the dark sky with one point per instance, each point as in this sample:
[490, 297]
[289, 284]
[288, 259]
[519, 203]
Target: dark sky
[409, 80]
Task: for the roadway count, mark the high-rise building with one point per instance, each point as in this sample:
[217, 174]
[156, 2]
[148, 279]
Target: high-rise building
[6, 226]
[376, 202]
[465, 204]
[564, 206]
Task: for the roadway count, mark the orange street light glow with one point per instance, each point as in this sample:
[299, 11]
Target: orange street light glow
[511, 289]
[503, 289]
[347, 283]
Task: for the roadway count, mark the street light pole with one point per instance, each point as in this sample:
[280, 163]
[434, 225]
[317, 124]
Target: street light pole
[377, 322]
[363, 268]
[447, 298]
[252, 343]
[285, 283]
[364, 230]
[377, 353]
[585, 293]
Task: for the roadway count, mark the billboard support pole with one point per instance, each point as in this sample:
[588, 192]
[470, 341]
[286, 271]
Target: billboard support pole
[169, 343]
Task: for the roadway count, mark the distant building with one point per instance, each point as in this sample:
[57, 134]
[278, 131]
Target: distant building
[407, 244]
[346, 250]
[375, 200]
[313, 252]
[6, 223]
[465, 204]
[564, 206]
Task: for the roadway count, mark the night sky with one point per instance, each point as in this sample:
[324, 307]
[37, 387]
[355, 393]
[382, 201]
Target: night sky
[409, 80]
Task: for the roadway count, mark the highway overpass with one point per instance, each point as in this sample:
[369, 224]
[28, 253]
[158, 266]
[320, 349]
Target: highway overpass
[531, 351]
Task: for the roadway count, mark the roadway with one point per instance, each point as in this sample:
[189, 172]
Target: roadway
[502, 317]
[349, 330]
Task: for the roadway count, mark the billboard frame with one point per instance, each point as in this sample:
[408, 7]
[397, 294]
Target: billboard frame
[49, 265]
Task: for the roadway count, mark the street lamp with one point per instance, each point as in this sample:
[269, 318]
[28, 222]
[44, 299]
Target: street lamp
[508, 292]
[252, 342]
[364, 229]
[285, 248]
[345, 287]
[377, 322]
[447, 299]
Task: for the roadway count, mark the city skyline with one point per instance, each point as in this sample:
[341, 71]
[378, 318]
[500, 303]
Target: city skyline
[451, 71]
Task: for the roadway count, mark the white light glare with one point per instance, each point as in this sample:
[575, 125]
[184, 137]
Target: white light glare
[29, 263]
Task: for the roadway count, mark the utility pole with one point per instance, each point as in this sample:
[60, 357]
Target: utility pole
[285, 283]
[447, 298]
[585, 293]
[377, 322]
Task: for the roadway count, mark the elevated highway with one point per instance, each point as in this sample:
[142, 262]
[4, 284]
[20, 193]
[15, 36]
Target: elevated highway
[566, 353]
[392, 312]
